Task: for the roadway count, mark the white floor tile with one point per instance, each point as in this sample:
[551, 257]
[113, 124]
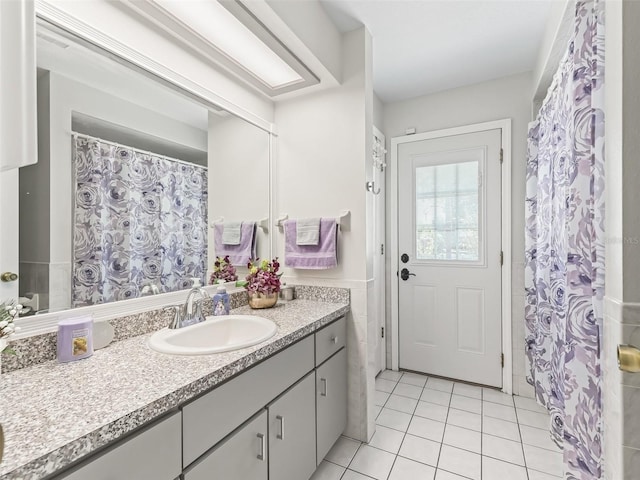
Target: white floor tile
[381, 397]
[440, 384]
[414, 379]
[467, 390]
[467, 404]
[444, 475]
[460, 461]
[538, 438]
[496, 410]
[534, 419]
[328, 471]
[432, 411]
[351, 475]
[435, 396]
[420, 450]
[462, 438]
[543, 460]
[496, 396]
[393, 419]
[390, 375]
[535, 475]
[385, 385]
[343, 451]
[495, 469]
[405, 469]
[501, 428]
[402, 404]
[502, 449]
[387, 439]
[469, 420]
[406, 390]
[373, 462]
[527, 403]
[426, 428]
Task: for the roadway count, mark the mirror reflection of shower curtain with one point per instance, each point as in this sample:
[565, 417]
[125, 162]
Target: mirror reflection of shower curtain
[139, 219]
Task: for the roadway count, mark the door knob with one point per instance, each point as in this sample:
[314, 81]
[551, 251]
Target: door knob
[628, 358]
[404, 274]
[9, 277]
[404, 258]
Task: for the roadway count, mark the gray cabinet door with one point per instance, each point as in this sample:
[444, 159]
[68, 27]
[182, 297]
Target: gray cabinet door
[242, 456]
[292, 433]
[151, 454]
[331, 402]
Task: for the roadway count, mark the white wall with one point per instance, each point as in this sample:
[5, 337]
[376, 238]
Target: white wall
[507, 97]
[239, 180]
[552, 47]
[322, 152]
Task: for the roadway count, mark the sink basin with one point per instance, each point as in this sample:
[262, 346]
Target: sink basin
[214, 335]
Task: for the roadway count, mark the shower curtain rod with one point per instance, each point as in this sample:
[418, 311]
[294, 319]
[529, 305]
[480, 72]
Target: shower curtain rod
[91, 137]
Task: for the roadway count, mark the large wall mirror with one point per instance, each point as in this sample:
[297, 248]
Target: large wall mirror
[132, 182]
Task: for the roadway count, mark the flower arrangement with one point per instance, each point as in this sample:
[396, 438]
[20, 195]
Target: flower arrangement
[8, 313]
[223, 271]
[263, 277]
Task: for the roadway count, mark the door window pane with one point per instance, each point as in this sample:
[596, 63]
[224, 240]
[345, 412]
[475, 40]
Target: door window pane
[447, 212]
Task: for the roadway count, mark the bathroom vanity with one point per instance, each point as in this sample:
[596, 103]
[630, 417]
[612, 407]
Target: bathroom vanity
[268, 411]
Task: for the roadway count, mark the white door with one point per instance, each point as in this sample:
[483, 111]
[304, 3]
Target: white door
[379, 267]
[449, 238]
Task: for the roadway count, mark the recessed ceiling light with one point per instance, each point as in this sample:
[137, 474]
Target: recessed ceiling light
[216, 25]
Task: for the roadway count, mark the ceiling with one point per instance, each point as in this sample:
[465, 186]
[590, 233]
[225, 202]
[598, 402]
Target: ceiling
[425, 46]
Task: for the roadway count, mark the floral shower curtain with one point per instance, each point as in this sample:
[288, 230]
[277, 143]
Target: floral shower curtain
[564, 272]
[139, 219]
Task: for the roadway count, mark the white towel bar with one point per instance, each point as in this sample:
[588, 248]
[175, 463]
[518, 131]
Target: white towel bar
[262, 224]
[343, 221]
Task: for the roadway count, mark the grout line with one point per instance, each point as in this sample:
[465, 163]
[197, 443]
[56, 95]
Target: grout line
[404, 435]
[524, 457]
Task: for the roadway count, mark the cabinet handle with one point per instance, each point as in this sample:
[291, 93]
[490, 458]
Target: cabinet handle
[334, 339]
[323, 393]
[262, 454]
[280, 435]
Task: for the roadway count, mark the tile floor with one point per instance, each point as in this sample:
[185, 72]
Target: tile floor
[435, 429]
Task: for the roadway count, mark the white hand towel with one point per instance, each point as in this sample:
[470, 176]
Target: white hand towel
[231, 233]
[308, 231]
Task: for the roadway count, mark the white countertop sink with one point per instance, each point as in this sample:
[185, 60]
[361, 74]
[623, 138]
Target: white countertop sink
[214, 335]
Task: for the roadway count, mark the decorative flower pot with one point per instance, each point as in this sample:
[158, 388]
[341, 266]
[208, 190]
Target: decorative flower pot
[262, 300]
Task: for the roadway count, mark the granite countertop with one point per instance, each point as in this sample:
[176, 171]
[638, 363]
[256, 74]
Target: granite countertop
[54, 414]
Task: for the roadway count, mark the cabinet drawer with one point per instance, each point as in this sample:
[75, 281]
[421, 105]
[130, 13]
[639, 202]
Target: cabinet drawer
[242, 456]
[213, 416]
[330, 339]
[151, 454]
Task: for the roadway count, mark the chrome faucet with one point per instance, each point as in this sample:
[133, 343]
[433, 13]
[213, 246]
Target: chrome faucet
[191, 312]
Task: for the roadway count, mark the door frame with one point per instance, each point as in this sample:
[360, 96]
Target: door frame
[380, 274]
[505, 126]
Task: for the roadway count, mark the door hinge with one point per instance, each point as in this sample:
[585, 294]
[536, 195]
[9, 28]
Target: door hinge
[502, 360]
[501, 155]
[382, 332]
[382, 249]
[501, 258]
